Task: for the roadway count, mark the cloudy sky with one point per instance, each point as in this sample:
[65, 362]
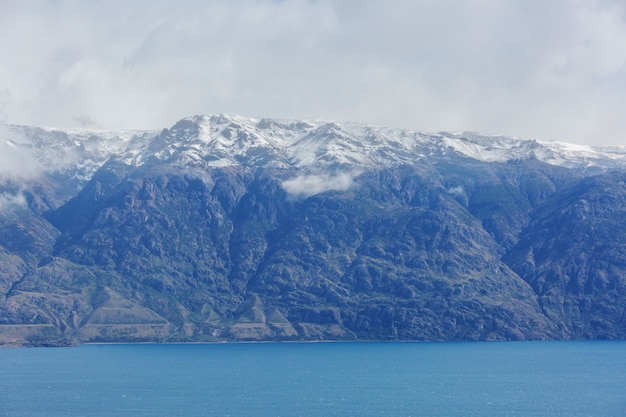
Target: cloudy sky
[550, 70]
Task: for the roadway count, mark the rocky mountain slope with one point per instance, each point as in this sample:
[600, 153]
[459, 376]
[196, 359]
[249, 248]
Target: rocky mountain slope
[228, 228]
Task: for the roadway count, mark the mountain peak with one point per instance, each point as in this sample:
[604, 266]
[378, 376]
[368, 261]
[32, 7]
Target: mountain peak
[227, 139]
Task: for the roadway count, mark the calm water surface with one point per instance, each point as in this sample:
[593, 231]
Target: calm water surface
[323, 379]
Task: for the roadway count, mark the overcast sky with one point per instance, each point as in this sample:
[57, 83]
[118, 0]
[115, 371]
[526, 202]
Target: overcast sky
[542, 69]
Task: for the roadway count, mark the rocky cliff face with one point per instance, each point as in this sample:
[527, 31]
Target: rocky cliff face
[224, 228]
[573, 254]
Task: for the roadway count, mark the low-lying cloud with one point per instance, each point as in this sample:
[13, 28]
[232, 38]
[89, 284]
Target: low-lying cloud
[308, 185]
[9, 201]
[457, 191]
[16, 161]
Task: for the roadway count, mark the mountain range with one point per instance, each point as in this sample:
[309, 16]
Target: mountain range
[225, 228]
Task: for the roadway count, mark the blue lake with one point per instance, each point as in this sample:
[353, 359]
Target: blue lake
[317, 379]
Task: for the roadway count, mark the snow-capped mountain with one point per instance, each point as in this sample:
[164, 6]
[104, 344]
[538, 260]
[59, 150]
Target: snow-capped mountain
[224, 140]
[229, 228]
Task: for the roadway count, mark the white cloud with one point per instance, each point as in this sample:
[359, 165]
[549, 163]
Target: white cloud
[16, 162]
[308, 185]
[10, 201]
[4, 100]
[457, 191]
[545, 69]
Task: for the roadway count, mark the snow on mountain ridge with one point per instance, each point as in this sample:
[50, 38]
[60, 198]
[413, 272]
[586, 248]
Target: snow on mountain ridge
[222, 140]
[82, 151]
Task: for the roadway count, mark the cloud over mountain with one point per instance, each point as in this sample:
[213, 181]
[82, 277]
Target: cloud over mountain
[16, 161]
[550, 70]
[308, 185]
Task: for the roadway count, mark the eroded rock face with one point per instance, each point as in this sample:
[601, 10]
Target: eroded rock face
[444, 248]
[573, 254]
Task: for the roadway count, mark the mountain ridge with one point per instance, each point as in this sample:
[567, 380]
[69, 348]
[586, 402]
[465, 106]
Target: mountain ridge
[221, 140]
[227, 228]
